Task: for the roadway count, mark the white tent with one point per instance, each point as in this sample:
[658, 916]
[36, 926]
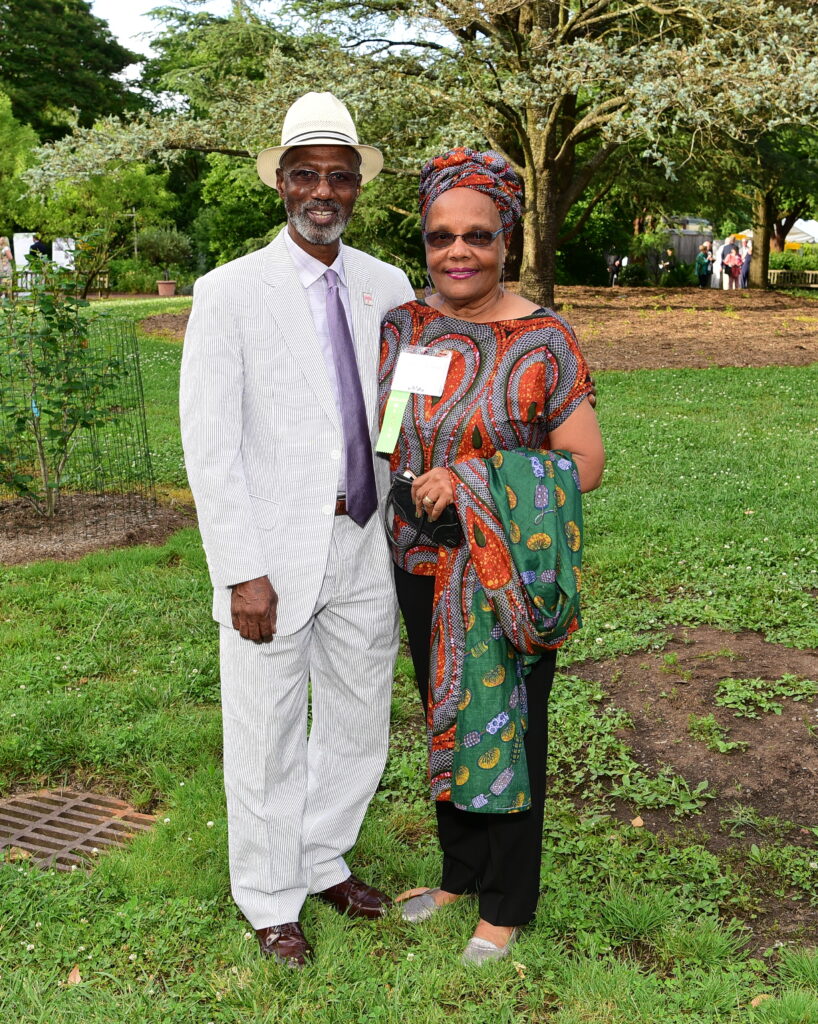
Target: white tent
[803, 232]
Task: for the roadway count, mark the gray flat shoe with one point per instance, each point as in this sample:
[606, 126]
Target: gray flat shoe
[480, 951]
[420, 908]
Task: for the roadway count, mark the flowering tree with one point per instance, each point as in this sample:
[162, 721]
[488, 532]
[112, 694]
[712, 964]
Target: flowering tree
[558, 86]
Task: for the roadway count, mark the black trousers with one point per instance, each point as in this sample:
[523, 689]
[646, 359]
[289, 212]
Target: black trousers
[496, 856]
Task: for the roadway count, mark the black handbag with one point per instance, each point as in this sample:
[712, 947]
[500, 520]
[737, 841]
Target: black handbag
[444, 531]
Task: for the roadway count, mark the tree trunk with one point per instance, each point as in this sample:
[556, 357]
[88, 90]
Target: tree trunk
[538, 272]
[762, 227]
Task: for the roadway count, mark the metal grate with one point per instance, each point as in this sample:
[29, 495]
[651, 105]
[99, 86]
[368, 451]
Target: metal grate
[64, 829]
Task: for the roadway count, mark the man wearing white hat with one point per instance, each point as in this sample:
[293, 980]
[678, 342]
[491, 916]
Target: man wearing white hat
[278, 406]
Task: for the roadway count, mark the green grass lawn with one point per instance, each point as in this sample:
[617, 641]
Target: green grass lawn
[110, 681]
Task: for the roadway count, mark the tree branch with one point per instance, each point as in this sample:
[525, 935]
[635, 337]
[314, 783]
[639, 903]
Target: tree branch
[582, 220]
[387, 43]
[600, 115]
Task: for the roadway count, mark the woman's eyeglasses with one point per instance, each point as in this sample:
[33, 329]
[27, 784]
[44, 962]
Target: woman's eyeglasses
[339, 181]
[476, 239]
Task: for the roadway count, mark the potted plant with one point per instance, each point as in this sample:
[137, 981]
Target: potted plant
[163, 247]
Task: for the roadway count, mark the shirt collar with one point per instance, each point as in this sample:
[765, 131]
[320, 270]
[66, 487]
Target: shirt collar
[308, 268]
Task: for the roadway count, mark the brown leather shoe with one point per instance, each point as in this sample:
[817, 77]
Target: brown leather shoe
[285, 943]
[356, 899]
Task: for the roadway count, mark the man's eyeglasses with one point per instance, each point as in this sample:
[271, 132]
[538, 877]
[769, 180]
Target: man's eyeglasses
[476, 239]
[339, 181]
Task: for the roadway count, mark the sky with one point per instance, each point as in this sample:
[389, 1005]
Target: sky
[128, 18]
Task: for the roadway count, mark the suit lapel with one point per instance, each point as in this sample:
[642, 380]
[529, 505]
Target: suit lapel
[287, 303]
[365, 327]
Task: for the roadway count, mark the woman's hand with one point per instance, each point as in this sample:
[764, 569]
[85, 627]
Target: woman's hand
[432, 493]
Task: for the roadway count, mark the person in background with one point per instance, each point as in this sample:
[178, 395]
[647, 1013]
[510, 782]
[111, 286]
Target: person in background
[517, 385]
[667, 261]
[746, 253]
[728, 249]
[703, 265]
[614, 270]
[6, 266]
[38, 247]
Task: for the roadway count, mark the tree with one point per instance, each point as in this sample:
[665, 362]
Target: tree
[17, 144]
[558, 86]
[56, 56]
[54, 386]
[164, 247]
[105, 209]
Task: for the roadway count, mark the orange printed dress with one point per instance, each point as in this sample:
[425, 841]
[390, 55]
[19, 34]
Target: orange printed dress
[509, 384]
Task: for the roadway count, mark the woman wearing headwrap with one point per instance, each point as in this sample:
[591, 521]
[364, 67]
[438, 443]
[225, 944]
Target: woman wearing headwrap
[484, 618]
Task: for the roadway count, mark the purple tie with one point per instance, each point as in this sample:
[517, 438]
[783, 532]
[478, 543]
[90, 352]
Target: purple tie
[362, 498]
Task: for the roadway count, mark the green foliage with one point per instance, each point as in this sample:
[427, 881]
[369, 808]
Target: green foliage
[636, 916]
[138, 276]
[794, 1006]
[17, 142]
[163, 247]
[635, 275]
[53, 385]
[55, 57]
[704, 942]
[805, 258]
[238, 213]
[680, 276]
[748, 698]
[707, 729]
[105, 210]
[800, 967]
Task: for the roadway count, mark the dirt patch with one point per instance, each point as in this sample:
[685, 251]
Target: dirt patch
[654, 328]
[170, 326]
[658, 328]
[765, 793]
[777, 773]
[85, 523]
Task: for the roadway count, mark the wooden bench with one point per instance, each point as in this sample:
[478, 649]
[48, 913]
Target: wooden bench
[792, 278]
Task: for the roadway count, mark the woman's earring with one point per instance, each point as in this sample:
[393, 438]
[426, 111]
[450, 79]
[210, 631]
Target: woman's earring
[503, 279]
[429, 289]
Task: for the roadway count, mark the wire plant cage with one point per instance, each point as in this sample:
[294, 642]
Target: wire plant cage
[74, 454]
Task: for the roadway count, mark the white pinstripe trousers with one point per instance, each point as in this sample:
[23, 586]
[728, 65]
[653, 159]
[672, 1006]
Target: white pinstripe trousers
[295, 804]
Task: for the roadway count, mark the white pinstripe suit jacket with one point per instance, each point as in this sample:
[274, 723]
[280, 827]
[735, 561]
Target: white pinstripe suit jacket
[260, 428]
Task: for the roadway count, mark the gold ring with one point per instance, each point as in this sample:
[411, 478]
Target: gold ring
[428, 501]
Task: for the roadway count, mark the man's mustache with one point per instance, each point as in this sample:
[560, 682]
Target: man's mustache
[322, 204]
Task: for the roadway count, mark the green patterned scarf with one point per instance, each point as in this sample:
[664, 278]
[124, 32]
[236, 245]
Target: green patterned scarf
[504, 597]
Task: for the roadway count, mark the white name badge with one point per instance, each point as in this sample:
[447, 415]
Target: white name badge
[422, 371]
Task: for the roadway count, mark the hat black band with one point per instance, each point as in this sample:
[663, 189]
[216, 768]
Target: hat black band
[304, 137]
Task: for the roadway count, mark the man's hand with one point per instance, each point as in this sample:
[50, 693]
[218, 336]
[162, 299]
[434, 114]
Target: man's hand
[253, 608]
[592, 393]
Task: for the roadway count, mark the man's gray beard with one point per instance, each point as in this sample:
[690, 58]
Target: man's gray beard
[316, 234]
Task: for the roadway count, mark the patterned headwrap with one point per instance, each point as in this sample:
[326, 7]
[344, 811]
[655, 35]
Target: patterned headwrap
[485, 172]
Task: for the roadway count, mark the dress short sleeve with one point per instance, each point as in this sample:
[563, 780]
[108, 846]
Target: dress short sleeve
[568, 376]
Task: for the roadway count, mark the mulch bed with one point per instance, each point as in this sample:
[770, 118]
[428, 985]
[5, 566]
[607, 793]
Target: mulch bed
[85, 523]
[663, 328]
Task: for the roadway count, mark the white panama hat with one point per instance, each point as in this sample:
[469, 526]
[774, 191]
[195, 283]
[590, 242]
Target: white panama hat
[318, 119]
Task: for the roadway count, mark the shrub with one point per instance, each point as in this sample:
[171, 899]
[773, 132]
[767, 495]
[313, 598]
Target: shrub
[164, 247]
[635, 275]
[139, 277]
[680, 276]
[805, 258]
